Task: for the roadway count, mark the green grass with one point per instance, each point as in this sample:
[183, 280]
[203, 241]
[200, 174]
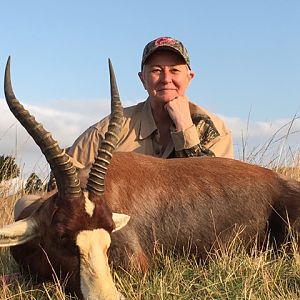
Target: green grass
[230, 273]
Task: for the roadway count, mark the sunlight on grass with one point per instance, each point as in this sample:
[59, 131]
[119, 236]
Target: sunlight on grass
[230, 273]
[227, 275]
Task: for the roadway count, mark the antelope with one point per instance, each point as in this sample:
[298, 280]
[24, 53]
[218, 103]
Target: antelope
[195, 203]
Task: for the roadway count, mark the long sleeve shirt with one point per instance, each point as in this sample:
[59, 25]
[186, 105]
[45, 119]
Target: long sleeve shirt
[207, 136]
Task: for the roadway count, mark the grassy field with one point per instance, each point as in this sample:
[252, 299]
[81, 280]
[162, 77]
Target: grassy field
[228, 274]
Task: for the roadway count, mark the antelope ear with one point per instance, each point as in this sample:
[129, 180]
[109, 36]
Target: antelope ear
[18, 232]
[120, 220]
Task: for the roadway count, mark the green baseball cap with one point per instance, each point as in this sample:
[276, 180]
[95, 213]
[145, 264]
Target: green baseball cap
[165, 43]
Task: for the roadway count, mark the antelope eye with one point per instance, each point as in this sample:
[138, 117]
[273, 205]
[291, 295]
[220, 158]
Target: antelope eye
[64, 238]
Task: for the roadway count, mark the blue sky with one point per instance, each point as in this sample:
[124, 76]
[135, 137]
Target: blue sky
[245, 55]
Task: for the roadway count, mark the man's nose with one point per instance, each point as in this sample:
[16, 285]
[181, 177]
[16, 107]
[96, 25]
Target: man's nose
[166, 76]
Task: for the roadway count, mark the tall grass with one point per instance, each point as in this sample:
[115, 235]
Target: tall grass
[274, 151]
[230, 274]
[227, 274]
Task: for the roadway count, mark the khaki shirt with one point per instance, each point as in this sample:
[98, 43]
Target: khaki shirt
[208, 136]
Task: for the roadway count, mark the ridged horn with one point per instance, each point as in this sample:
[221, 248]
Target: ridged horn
[63, 169]
[96, 178]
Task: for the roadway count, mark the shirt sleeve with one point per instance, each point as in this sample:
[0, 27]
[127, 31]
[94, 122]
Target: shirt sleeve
[187, 143]
[203, 139]
[185, 139]
[86, 147]
[82, 152]
[222, 146]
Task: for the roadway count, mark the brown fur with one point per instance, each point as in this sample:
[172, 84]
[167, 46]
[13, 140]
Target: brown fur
[189, 203]
[179, 204]
[60, 222]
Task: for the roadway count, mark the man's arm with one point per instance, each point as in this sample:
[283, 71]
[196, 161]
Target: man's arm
[188, 144]
[198, 135]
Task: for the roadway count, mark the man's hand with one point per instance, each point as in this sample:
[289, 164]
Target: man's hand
[179, 111]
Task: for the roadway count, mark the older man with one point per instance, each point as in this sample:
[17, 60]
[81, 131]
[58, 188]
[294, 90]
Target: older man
[167, 124]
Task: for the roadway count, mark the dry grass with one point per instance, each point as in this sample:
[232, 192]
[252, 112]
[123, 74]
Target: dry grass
[232, 274]
[12, 284]
[228, 274]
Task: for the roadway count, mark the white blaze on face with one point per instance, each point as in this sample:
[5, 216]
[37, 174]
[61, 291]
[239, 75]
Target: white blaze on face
[95, 278]
[88, 205]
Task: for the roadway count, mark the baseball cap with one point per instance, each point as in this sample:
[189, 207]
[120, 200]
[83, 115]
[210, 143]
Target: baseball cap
[165, 43]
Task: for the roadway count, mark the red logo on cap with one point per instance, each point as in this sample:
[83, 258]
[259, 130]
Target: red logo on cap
[163, 41]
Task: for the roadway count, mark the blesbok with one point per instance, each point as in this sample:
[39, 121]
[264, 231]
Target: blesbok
[177, 204]
[69, 233]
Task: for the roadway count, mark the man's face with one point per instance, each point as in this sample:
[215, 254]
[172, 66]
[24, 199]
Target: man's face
[165, 76]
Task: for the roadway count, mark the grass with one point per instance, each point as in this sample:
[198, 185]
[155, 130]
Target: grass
[227, 274]
[230, 275]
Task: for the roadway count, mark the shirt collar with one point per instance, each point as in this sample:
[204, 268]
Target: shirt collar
[148, 125]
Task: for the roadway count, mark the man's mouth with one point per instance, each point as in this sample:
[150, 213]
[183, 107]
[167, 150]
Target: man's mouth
[160, 90]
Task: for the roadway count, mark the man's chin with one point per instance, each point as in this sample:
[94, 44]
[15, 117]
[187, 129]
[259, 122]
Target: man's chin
[167, 98]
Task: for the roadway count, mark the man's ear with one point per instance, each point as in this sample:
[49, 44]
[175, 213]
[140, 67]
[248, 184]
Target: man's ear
[141, 75]
[120, 220]
[192, 75]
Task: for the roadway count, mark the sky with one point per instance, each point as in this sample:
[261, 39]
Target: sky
[245, 55]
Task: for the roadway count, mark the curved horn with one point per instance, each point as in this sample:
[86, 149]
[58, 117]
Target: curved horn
[63, 169]
[19, 232]
[108, 144]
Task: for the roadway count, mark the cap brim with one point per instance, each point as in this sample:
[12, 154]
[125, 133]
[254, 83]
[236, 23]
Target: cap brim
[163, 47]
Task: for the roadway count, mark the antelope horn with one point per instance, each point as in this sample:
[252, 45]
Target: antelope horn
[95, 182]
[19, 232]
[63, 169]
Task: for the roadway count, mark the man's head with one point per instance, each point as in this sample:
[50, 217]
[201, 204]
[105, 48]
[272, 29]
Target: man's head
[166, 71]
[165, 43]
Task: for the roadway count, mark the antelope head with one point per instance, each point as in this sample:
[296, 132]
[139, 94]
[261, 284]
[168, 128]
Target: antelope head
[69, 233]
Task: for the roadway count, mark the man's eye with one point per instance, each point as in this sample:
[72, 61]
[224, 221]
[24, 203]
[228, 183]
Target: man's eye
[174, 70]
[155, 71]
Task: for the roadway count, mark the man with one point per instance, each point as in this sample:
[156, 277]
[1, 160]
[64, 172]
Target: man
[167, 124]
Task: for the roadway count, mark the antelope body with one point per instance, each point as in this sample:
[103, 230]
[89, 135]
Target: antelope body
[190, 204]
[181, 205]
